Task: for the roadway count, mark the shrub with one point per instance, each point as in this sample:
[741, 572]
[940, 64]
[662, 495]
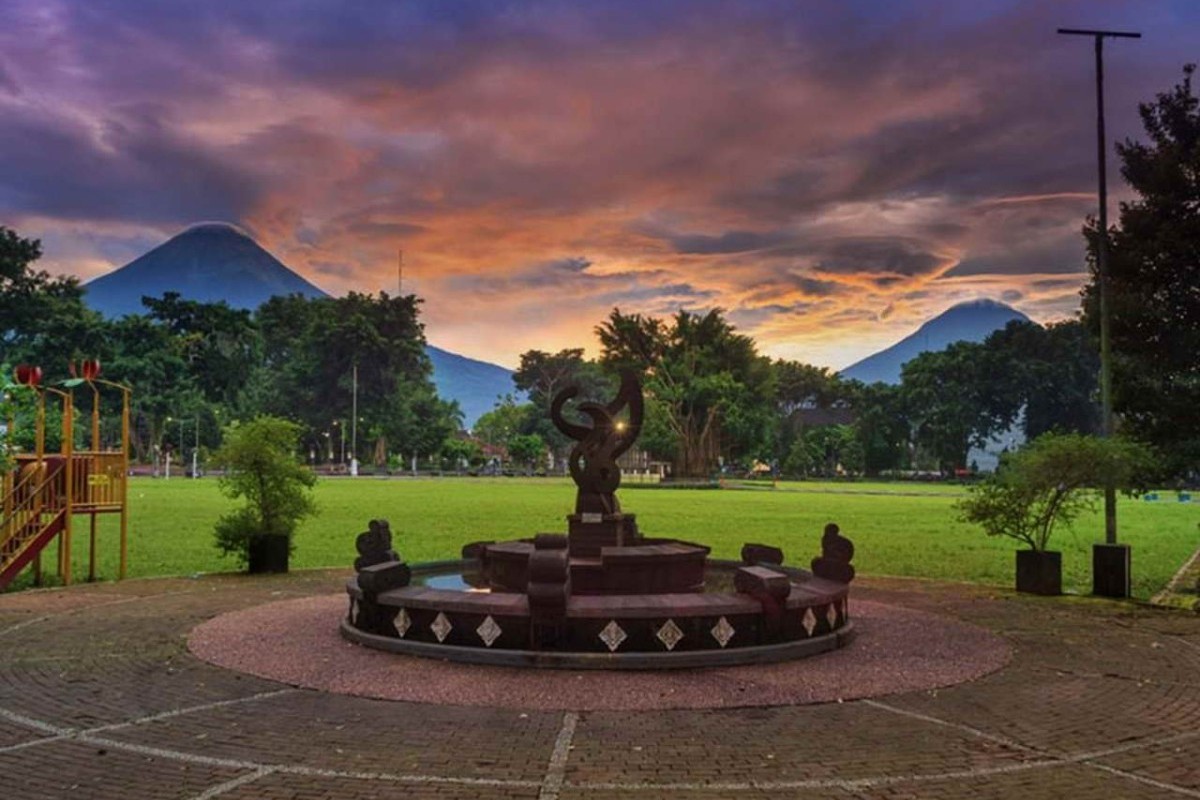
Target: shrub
[1046, 483]
[262, 467]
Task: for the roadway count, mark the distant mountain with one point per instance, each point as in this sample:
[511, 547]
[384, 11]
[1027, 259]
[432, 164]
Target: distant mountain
[476, 385]
[971, 322]
[216, 261]
[208, 262]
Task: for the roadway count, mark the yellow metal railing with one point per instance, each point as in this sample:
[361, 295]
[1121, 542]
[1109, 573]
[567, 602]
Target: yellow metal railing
[38, 493]
[98, 480]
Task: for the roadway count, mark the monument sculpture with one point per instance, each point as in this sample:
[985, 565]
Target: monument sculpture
[603, 595]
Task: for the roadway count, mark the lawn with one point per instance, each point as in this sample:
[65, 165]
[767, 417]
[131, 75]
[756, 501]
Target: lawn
[898, 529]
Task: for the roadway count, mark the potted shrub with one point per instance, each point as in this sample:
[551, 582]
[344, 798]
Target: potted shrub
[261, 467]
[1043, 485]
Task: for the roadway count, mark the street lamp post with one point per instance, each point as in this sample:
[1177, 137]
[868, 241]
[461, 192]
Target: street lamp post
[1110, 560]
[166, 449]
[354, 424]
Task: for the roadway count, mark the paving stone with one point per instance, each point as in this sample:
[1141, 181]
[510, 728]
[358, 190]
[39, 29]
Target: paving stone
[850, 740]
[303, 787]
[1101, 699]
[60, 770]
[353, 734]
[1174, 762]
[1056, 783]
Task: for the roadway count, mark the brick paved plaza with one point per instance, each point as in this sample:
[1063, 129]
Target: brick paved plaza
[100, 698]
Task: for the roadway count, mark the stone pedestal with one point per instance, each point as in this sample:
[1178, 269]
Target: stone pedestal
[1110, 570]
[588, 533]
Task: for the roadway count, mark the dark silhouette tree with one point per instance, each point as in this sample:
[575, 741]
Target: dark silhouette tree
[1154, 280]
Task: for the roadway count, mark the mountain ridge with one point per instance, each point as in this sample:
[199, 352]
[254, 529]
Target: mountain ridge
[207, 262]
[970, 321]
[220, 262]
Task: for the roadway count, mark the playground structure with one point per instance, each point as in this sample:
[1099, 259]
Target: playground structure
[43, 493]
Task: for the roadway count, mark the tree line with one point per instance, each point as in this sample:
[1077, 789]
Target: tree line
[713, 402]
[196, 367]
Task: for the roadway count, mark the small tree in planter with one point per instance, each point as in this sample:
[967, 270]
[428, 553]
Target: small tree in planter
[1043, 485]
[261, 466]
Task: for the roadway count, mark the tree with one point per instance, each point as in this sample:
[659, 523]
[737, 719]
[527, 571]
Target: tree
[1053, 372]
[458, 452]
[704, 383]
[498, 426]
[42, 318]
[1154, 275]
[311, 347]
[220, 345]
[526, 449]
[802, 392]
[881, 426]
[956, 398]
[1044, 485]
[261, 466]
[543, 375]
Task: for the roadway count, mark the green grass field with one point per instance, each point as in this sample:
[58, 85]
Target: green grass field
[898, 529]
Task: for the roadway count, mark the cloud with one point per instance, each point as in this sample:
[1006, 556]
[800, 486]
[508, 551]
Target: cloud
[729, 242]
[898, 256]
[831, 175]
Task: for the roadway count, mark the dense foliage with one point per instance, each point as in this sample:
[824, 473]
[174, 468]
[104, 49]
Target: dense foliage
[1154, 280]
[198, 366]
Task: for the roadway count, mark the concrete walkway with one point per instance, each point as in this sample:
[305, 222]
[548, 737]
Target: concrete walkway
[99, 698]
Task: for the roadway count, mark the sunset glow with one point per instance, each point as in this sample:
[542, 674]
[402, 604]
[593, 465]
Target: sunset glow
[830, 174]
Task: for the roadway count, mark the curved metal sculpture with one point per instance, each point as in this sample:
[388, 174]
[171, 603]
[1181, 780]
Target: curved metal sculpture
[593, 460]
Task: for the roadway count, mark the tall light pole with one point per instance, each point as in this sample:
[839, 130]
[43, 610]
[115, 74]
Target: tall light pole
[1110, 560]
[354, 424]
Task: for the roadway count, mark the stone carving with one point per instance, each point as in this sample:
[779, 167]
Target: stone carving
[379, 569]
[761, 554]
[593, 460]
[836, 554]
[374, 545]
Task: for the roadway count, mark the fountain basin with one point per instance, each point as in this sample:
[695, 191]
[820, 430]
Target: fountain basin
[714, 626]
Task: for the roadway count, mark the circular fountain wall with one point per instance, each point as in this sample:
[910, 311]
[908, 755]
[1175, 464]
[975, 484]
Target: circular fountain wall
[446, 613]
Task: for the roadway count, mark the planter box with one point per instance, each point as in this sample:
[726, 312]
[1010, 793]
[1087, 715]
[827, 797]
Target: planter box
[268, 554]
[1110, 570]
[1039, 572]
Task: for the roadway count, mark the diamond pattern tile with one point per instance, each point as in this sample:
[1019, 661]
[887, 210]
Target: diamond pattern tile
[810, 621]
[723, 631]
[612, 635]
[441, 627]
[489, 631]
[403, 622]
[669, 634]
[832, 615]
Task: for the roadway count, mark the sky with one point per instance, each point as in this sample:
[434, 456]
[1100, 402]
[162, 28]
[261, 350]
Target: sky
[829, 174]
